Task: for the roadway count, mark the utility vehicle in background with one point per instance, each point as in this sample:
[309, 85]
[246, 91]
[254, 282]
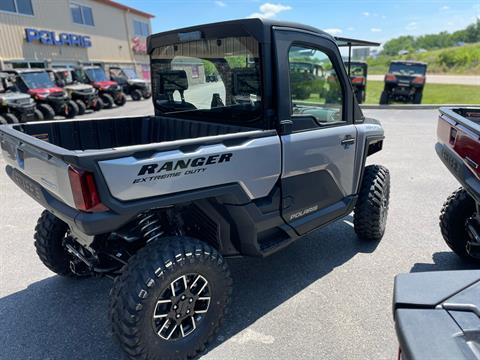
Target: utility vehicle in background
[458, 147]
[109, 91]
[51, 100]
[358, 78]
[221, 170]
[15, 106]
[437, 315]
[130, 82]
[85, 96]
[404, 82]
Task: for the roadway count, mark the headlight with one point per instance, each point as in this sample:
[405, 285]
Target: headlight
[3, 101]
[41, 96]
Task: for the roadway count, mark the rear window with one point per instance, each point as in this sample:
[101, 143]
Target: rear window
[210, 79]
[407, 69]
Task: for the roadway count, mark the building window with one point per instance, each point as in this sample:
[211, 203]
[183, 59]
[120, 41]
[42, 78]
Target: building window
[81, 14]
[140, 28]
[17, 6]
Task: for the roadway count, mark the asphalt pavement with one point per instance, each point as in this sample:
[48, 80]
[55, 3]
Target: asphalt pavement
[327, 296]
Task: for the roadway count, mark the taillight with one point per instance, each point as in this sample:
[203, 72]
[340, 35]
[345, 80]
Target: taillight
[390, 77]
[419, 80]
[84, 190]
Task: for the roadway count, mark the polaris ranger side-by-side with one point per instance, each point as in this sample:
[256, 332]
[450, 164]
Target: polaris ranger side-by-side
[84, 95]
[404, 82]
[109, 91]
[15, 106]
[222, 169]
[51, 100]
[130, 82]
[458, 147]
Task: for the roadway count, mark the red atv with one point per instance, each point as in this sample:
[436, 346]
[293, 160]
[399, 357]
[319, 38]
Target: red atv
[51, 100]
[109, 91]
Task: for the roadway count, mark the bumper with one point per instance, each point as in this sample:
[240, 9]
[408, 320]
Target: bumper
[87, 223]
[24, 113]
[460, 170]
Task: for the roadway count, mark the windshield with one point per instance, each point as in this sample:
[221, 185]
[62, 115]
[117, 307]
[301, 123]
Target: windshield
[210, 80]
[356, 69]
[65, 76]
[96, 74]
[407, 69]
[130, 73]
[37, 80]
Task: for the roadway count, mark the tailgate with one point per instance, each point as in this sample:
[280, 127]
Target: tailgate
[47, 170]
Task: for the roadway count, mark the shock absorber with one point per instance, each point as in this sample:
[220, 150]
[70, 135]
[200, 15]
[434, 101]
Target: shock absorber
[150, 225]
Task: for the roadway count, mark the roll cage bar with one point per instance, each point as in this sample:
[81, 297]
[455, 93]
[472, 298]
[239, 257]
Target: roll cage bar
[344, 42]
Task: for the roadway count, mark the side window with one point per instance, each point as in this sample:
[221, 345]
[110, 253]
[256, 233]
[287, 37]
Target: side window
[314, 86]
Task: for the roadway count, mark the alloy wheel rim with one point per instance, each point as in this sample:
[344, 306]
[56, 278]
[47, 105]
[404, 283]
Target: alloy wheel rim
[181, 307]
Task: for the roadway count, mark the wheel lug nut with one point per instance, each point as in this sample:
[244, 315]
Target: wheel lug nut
[190, 300]
[183, 297]
[188, 311]
[175, 307]
[178, 315]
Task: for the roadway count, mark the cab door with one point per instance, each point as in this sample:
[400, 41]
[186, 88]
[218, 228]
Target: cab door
[319, 148]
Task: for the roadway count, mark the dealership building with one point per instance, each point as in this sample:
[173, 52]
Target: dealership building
[67, 33]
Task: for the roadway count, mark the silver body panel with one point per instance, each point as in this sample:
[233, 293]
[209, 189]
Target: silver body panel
[255, 165]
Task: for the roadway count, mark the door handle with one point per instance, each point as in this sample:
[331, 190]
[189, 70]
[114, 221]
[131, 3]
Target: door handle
[348, 140]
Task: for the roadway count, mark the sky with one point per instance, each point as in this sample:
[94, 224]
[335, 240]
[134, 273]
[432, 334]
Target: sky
[374, 20]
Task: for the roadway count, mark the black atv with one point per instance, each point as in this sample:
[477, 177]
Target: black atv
[109, 91]
[404, 82]
[84, 95]
[15, 106]
[51, 100]
[358, 78]
[130, 82]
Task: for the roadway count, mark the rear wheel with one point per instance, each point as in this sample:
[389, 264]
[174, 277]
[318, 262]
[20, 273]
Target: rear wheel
[384, 98]
[371, 210]
[81, 107]
[417, 98]
[3, 121]
[170, 299]
[359, 94]
[11, 119]
[72, 109]
[121, 100]
[38, 115]
[458, 208]
[49, 235]
[147, 94]
[47, 111]
[107, 101]
[136, 95]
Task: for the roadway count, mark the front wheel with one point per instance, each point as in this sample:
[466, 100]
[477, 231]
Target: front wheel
[38, 115]
[71, 109]
[458, 208]
[147, 94]
[371, 210]
[107, 100]
[384, 99]
[98, 104]
[417, 98]
[82, 107]
[47, 111]
[3, 121]
[136, 95]
[120, 100]
[11, 119]
[170, 299]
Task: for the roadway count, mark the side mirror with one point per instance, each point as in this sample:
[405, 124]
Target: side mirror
[286, 127]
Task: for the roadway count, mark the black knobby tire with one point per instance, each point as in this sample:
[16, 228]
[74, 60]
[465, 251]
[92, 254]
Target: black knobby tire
[11, 119]
[3, 121]
[148, 274]
[107, 100]
[136, 95]
[81, 107]
[99, 104]
[359, 96]
[49, 234]
[371, 210]
[47, 111]
[72, 109]
[38, 115]
[147, 94]
[455, 211]
[417, 98]
[384, 98]
[121, 100]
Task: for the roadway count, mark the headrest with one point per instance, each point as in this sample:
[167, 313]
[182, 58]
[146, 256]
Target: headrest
[172, 80]
[245, 82]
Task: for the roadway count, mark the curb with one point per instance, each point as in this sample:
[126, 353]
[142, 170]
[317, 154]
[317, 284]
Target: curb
[412, 107]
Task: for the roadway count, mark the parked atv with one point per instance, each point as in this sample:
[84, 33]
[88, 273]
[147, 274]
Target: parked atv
[84, 95]
[109, 91]
[51, 100]
[404, 82]
[15, 106]
[358, 78]
[130, 82]
[308, 79]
